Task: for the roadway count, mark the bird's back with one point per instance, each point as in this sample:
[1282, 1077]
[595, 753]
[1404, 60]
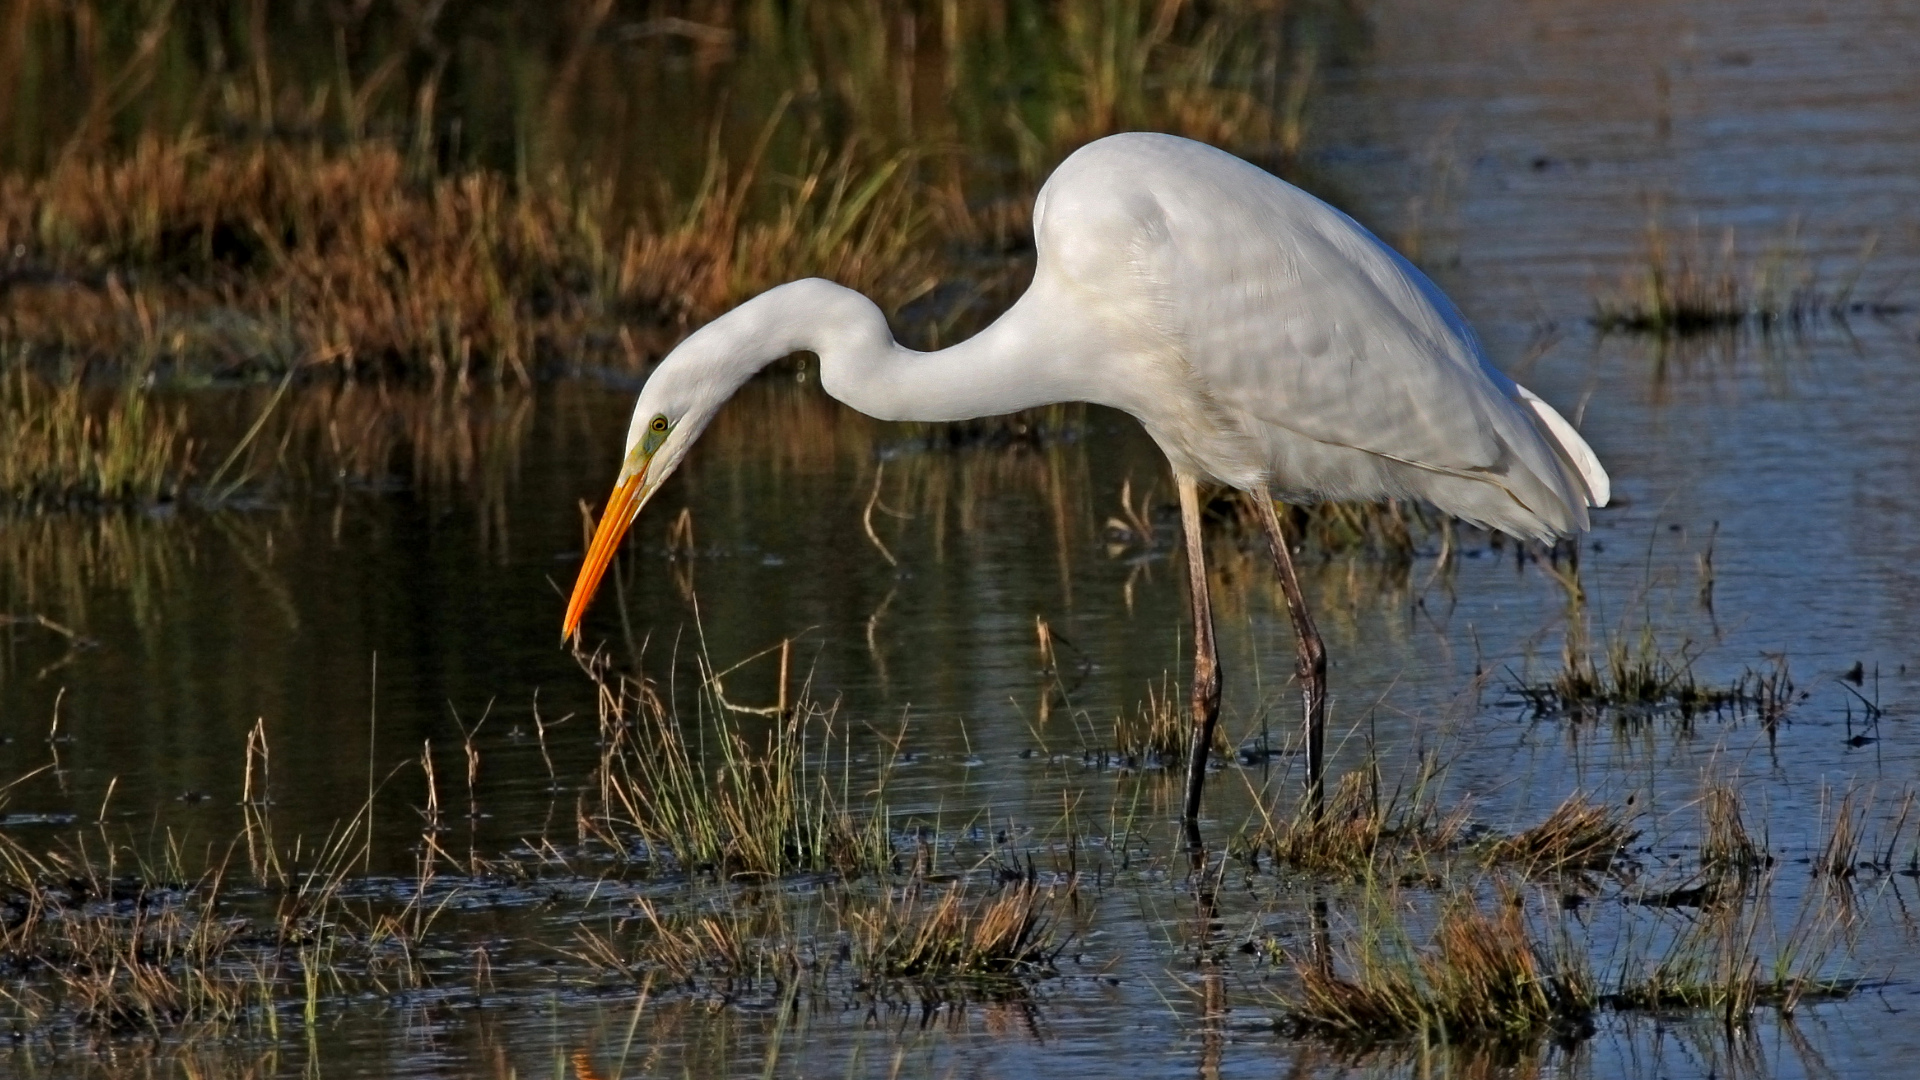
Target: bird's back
[1347, 372]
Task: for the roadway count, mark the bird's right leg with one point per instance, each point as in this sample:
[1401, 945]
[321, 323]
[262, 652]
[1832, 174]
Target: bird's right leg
[1206, 660]
[1311, 657]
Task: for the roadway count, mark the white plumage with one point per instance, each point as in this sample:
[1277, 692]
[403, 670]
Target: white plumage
[1348, 372]
[1264, 339]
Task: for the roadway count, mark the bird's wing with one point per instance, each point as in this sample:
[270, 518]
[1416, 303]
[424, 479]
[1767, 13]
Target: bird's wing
[1294, 315]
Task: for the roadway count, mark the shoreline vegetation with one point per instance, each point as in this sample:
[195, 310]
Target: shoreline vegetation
[266, 220]
[458, 199]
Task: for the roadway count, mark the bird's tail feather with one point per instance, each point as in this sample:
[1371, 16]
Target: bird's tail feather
[1573, 449]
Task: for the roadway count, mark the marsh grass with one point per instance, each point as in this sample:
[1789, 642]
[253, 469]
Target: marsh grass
[1685, 287]
[730, 945]
[1848, 849]
[730, 801]
[339, 220]
[1579, 835]
[1361, 832]
[227, 258]
[1726, 847]
[1634, 678]
[867, 941]
[1158, 732]
[60, 449]
[930, 934]
[1730, 959]
[1483, 978]
[1391, 530]
[108, 939]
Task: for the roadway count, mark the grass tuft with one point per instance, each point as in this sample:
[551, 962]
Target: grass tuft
[1729, 961]
[1358, 831]
[1483, 978]
[1159, 733]
[733, 802]
[1682, 289]
[912, 936]
[1726, 847]
[1634, 679]
[1578, 835]
[58, 450]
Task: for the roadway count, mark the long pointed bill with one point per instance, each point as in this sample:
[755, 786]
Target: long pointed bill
[622, 507]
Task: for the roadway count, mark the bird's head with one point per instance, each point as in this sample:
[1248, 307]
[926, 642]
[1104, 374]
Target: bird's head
[699, 375]
[674, 408]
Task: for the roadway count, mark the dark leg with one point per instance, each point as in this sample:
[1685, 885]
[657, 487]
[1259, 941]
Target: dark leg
[1311, 662]
[1206, 661]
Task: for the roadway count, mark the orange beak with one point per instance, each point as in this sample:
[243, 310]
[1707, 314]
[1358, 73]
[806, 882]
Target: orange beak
[622, 506]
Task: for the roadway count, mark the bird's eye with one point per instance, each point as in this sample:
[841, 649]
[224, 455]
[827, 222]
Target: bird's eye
[659, 424]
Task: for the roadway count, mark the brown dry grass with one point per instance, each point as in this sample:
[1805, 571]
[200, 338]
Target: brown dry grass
[1578, 835]
[232, 257]
[1360, 831]
[1483, 978]
[1726, 847]
[1007, 934]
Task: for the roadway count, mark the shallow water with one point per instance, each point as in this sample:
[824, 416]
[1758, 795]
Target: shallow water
[1516, 151]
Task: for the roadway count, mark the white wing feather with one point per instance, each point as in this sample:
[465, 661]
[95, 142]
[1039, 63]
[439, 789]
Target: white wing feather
[1352, 372]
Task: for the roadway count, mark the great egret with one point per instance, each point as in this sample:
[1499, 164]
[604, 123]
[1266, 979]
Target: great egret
[1264, 339]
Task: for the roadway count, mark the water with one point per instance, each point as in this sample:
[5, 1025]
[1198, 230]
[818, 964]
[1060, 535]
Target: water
[1520, 153]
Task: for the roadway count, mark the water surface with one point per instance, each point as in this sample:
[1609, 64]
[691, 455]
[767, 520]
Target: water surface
[1519, 151]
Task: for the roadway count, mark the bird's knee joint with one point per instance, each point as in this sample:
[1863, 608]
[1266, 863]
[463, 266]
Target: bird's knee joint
[1313, 658]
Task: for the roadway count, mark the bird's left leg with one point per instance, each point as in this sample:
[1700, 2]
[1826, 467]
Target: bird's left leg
[1311, 663]
[1206, 660]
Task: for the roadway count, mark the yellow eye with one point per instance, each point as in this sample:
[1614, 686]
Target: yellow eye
[659, 424]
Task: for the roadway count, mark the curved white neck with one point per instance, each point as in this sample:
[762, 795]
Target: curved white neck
[1019, 362]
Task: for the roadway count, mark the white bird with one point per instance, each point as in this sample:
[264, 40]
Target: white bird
[1265, 340]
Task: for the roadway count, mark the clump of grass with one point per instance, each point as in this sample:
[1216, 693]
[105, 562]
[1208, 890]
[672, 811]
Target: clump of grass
[1158, 733]
[733, 802]
[58, 449]
[1634, 679]
[1716, 964]
[1358, 831]
[729, 947]
[1578, 835]
[1482, 979]
[1840, 854]
[1681, 289]
[1726, 847]
[1005, 935]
